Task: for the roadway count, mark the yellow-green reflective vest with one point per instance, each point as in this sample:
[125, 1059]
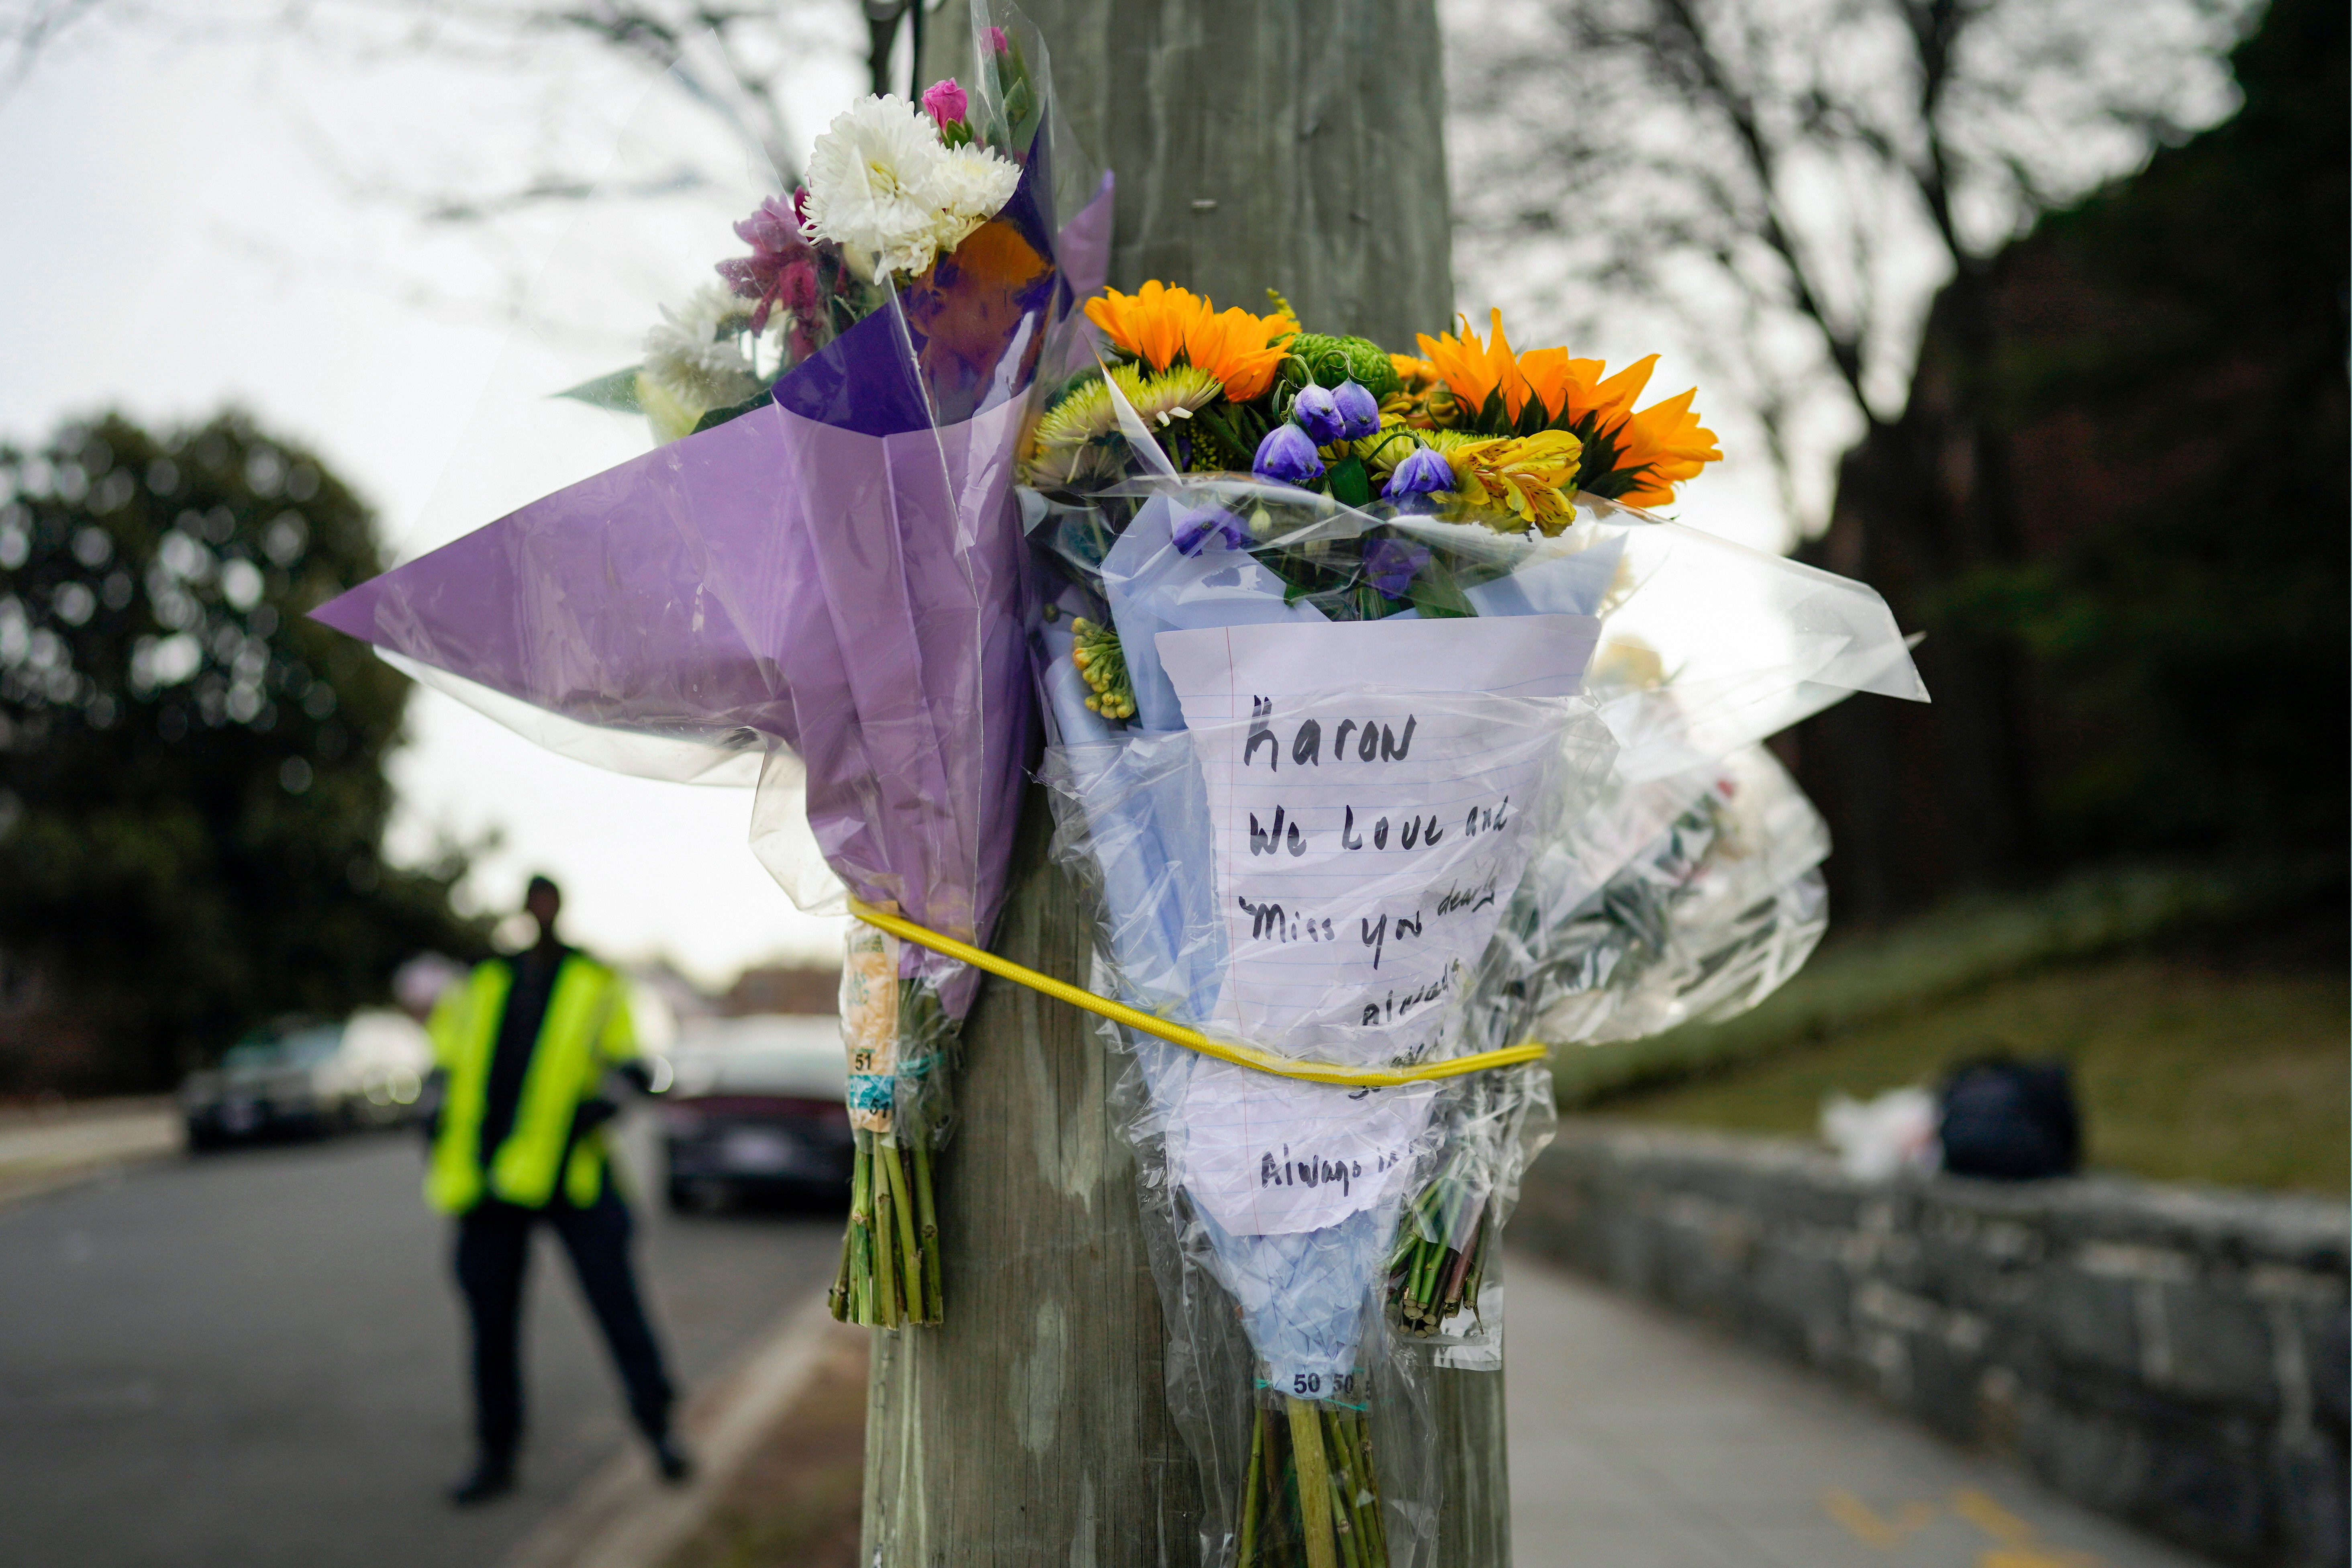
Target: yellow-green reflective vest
[586, 1030]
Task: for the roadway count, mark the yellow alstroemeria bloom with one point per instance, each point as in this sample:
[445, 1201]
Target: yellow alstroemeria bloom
[1533, 477]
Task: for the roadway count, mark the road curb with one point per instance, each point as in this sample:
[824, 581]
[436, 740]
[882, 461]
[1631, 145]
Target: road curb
[624, 1517]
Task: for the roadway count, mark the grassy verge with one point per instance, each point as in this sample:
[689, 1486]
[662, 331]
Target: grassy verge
[2221, 1057]
[1859, 981]
[796, 1504]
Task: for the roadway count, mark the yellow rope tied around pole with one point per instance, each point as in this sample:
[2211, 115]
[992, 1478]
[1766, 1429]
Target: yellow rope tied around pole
[1192, 1039]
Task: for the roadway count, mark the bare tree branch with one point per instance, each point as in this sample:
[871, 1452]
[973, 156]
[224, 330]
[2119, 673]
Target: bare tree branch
[29, 29]
[1781, 186]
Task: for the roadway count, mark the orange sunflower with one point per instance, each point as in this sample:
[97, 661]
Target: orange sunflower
[1473, 371]
[1157, 322]
[1668, 438]
[1571, 389]
[1150, 323]
[1238, 348]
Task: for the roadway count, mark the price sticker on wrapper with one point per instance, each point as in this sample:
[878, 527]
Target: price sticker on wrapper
[869, 1025]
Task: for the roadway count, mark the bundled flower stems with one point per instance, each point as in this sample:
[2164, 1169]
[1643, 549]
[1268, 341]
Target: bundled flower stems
[818, 575]
[1309, 1498]
[889, 1271]
[1441, 1252]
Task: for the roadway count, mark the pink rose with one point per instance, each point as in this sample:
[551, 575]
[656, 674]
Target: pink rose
[996, 40]
[945, 100]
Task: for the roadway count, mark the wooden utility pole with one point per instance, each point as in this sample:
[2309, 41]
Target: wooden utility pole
[1298, 146]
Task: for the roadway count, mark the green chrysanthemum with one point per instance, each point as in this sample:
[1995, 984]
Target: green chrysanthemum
[1177, 393]
[1087, 414]
[1332, 359]
[1083, 415]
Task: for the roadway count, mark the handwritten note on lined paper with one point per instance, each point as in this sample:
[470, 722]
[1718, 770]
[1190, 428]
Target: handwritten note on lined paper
[1367, 840]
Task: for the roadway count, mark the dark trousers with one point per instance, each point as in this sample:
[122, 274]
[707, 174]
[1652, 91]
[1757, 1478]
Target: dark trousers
[493, 1253]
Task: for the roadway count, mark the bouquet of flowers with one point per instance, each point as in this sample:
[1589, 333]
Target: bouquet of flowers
[820, 564]
[1361, 673]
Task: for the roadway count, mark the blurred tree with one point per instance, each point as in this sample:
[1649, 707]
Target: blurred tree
[1787, 185]
[2164, 369]
[192, 774]
[1781, 186]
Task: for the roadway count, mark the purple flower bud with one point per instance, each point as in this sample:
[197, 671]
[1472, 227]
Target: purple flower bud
[1360, 411]
[1318, 414]
[1390, 564]
[1195, 527]
[1422, 473]
[1287, 456]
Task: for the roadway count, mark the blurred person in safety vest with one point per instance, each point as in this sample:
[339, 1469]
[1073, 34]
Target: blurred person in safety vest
[523, 1048]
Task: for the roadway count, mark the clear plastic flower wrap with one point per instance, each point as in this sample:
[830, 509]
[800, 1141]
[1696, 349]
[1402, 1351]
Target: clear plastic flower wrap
[1188, 616]
[1336, 936]
[1706, 918]
[1686, 898]
[819, 567]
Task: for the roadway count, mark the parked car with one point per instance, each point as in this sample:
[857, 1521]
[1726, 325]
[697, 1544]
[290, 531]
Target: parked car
[274, 1083]
[757, 1108]
[306, 1078]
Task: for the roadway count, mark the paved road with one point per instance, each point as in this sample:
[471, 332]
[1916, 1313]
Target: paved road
[1640, 1441]
[253, 1358]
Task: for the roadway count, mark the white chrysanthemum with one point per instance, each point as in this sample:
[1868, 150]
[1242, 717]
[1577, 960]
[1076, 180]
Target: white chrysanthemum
[882, 185]
[870, 183]
[972, 184]
[693, 355]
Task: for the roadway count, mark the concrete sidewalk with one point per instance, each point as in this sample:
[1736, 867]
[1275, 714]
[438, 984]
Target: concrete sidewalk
[1638, 1441]
[41, 1150]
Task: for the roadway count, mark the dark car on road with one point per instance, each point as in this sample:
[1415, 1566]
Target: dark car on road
[304, 1078]
[756, 1109]
[277, 1083]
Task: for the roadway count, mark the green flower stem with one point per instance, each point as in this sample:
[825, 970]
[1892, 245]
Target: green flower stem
[886, 1282]
[1314, 1472]
[861, 1249]
[934, 1289]
[1343, 1529]
[1456, 1275]
[1368, 1491]
[1343, 1490]
[1425, 1283]
[1247, 1558]
[837, 1299]
[911, 1258]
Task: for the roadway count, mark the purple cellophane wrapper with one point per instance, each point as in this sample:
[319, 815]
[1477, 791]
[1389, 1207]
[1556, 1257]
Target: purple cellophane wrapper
[842, 571]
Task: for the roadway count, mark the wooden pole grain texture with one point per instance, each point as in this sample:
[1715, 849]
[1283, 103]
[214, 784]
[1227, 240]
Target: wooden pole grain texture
[1296, 145]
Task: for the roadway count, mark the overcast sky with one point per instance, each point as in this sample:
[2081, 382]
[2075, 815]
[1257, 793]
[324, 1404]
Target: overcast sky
[199, 223]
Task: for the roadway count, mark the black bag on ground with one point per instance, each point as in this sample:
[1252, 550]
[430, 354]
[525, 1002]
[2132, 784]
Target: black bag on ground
[2010, 1119]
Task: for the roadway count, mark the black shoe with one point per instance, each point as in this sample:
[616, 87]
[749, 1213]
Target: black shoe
[671, 1462]
[489, 1478]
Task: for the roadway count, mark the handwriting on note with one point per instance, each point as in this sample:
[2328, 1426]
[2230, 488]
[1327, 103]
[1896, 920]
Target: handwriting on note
[1369, 787]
